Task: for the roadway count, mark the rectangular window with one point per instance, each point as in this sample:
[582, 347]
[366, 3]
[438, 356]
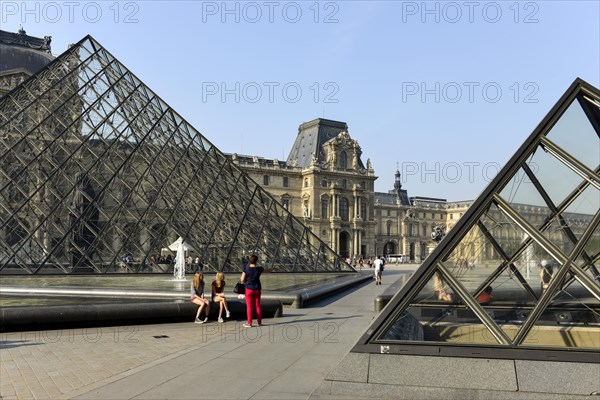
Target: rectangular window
[324, 208]
[388, 213]
[344, 215]
[286, 182]
[363, 210]
[286, 204]
[266, 180]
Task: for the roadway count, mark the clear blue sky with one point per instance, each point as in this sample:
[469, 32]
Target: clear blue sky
[448, 90]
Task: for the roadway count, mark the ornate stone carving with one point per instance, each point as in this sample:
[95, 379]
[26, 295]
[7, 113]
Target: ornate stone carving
[438, 233]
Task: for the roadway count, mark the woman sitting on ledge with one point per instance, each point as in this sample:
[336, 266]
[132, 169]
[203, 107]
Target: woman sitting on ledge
[197, 297]
[218, 295]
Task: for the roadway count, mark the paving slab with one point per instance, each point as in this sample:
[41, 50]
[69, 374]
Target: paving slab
[558, 377]
[442, 372]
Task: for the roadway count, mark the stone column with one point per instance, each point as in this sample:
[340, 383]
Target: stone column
[335, 240]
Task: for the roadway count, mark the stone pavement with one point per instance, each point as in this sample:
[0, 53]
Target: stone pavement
[286, 358]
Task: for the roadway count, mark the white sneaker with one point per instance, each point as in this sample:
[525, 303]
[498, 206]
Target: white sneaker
[227, 314]
[197, 321]
[205, 319]
[247, 325]
[220, 319]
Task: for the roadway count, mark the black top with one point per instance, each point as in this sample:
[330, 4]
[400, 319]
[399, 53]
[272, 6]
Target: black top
[199, 291]
[253, 277]
[217, 289]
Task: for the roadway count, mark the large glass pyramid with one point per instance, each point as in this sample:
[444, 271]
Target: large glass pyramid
[517, 277]
[98, 174]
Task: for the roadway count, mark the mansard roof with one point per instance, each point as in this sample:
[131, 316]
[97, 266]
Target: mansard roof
[311, 137]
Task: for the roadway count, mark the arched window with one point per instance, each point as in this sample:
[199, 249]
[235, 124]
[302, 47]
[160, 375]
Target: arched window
[324, 182]
[305, 182]
[343, 160]
[344, 209]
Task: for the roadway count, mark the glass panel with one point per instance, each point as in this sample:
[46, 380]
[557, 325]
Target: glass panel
[524, 198]
[571, 320]
[574, 133]
[473, 260]
[504, 232]
[557, 231]
[438, 315]
[592, 248]
[557, 180]
[579, 214]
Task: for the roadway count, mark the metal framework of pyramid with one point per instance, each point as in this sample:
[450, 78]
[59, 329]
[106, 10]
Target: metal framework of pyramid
[98, 174]
[517, 277]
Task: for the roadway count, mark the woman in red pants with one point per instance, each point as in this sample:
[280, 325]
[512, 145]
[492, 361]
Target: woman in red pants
[251, 277]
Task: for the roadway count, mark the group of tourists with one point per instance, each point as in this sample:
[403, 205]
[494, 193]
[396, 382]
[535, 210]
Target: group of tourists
[250, 278]
[360, 263]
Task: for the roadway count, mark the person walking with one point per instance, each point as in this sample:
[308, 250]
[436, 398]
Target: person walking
[378, 269]
[251, 277]
[197, 297]
[218, 295]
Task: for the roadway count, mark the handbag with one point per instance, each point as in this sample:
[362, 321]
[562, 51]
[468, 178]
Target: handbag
[239, 288]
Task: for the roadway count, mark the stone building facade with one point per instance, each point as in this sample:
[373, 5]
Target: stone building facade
[325, 182]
